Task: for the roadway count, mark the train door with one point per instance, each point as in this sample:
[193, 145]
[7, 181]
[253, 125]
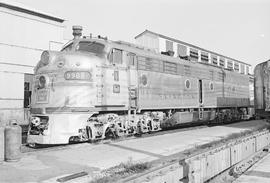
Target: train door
[115, 87]
[200, 87]
[200, 92]
[132, 76]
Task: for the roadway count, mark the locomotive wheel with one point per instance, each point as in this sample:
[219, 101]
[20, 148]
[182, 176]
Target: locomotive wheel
[109, 134]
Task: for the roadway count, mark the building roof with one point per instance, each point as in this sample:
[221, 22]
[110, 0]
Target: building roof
[188, 44]
[25, 9]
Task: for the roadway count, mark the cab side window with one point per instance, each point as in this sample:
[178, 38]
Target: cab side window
[116, 56]
[131, 59]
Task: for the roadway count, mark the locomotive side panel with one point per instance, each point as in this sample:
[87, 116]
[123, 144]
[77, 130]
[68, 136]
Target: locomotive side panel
[180, 89]
[211, 90]
[165, 91]
[115, 87]
[235, 90]
[210, 84]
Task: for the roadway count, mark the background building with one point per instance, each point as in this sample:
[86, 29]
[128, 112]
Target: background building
[25, 32]
[161, 43]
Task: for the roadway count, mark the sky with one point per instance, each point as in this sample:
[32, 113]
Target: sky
[236, 28]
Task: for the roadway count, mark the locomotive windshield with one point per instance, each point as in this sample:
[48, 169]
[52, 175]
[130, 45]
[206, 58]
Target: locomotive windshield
[93, 47]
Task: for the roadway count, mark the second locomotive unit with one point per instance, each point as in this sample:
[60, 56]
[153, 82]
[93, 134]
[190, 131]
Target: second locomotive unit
[262, 90]
[94, 88]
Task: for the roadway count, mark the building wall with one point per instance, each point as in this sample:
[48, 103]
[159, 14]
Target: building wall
[23, 37]
[149, 41]
[147, 38]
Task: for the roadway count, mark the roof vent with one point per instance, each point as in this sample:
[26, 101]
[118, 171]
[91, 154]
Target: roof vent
[77, 31]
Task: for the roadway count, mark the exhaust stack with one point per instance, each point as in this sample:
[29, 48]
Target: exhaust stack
[77, 31]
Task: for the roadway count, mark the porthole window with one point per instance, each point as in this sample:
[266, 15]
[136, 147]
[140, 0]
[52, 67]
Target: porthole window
[187, 83]
[211, 86]
[144, 80]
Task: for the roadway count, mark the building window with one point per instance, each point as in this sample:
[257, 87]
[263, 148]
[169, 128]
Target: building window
[181, 50]
[27, 94]
[194, 54]
[214, 59]
[28, 83]
[242, 66]
[131, 59]
[169, 45]
[236, 66]
[204, 57]
[222, 61]
[229, 64]
[116, 56]
[247, 69]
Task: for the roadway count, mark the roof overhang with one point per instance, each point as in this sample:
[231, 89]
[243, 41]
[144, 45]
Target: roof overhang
[24, 9]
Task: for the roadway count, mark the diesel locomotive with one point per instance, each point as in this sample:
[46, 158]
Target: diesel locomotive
[95, 87]
[262, 90]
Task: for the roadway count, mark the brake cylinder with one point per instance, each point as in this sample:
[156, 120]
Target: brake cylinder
[13, 141]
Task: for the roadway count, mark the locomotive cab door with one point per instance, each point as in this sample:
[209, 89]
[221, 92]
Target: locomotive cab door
[200, 87]
[114, 82]
[132, 76]
[200, 92]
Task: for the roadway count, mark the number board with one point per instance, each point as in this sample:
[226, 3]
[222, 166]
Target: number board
[42, 96]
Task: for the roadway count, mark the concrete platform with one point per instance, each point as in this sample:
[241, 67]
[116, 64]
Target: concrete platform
[46, 166]
[258, 173]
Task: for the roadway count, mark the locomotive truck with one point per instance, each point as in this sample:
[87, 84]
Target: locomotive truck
[94, 87]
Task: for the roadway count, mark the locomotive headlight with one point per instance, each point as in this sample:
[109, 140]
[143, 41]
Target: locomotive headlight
[43, 81]
[45, 57]
[78, 75]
